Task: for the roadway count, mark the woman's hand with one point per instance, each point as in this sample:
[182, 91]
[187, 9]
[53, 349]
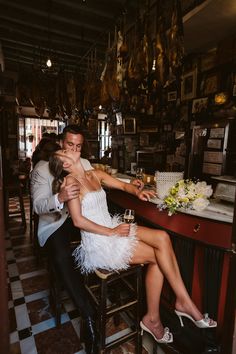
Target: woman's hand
[121, 230]
[146, 195]
[137, 183]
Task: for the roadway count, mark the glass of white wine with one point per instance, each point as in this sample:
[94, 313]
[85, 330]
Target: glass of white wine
[129, 216]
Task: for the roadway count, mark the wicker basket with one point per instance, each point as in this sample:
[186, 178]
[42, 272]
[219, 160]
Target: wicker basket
[165, 180]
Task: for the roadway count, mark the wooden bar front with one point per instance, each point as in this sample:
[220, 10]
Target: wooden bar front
[203, 249]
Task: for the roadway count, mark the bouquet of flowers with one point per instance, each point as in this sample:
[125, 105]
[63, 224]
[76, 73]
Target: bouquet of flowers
[187, 194]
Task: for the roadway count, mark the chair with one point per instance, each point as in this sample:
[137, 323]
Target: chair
[14, 189]
[117, 294]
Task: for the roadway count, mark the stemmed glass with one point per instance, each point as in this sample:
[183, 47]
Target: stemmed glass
[129, 216]
[140, 173]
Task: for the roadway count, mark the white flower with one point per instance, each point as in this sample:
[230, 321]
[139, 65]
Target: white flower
[200, 204]
[203, 189]
[187, 194]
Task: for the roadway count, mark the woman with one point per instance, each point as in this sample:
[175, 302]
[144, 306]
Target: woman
[108, 243]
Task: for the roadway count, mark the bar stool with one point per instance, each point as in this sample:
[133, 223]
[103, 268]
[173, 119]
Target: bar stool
[117, 294]
[14, 189]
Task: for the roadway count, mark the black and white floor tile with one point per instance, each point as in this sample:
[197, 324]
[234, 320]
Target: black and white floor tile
[32, 324]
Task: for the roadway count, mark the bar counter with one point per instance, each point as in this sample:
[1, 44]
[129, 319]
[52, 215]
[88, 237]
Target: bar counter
[203, 247]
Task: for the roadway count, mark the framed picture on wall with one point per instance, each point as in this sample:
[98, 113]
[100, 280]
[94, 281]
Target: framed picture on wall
[172, 96]
[189, 85]
[129, 126]
[209, 84]
[199, 105]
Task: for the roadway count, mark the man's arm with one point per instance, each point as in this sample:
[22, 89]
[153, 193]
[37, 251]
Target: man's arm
[44, 201]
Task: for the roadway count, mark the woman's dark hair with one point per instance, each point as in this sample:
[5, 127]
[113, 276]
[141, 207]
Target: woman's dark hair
[43, 150]
[47, 150]
[56, 169]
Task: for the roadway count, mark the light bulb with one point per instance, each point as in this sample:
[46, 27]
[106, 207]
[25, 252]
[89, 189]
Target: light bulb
[100, 106]
[154, 65]
[49, 63]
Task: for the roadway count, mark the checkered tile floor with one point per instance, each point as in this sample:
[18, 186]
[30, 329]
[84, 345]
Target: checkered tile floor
[32, 324]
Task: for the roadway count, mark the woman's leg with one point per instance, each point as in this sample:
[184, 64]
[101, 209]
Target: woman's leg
[154, 283]
[165, 256]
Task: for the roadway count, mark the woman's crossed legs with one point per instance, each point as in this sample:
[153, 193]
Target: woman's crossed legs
[155, 249]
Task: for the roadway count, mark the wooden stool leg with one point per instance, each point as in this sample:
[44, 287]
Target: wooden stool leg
[22, 208]
[138, 311]
[31, 220]
[102, 315]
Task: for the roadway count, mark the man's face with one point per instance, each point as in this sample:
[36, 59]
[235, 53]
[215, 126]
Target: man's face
[73, 142]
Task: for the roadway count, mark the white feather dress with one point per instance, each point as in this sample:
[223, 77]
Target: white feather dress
[99, 251]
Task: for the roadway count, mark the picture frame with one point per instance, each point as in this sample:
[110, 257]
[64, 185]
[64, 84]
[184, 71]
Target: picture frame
[148, 125]
[172, 96]
[199, 105]
[210, 84]
[133, 168]
[208, 60]
[148, 129]
[129, 125]
[189, 85]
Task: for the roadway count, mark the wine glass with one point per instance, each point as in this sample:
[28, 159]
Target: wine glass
[129, 216]
[140, 173]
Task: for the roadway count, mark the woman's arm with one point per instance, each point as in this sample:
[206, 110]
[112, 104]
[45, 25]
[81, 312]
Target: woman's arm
[112, 182]
[83, 223]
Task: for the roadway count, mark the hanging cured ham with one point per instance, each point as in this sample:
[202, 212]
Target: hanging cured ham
[38, 92]
[119, 69]
[110, 90]
[161, 60]
[138, 65]
[92, 85]
[176, 38]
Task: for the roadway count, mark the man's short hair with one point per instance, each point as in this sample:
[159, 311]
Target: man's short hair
[73, 129]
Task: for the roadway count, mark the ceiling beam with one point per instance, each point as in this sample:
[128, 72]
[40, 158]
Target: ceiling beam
[15, 44]
[26, 60]
[77, 47]
[27, 13]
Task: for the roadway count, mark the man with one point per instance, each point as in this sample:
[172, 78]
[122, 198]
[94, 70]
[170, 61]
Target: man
[54, 233]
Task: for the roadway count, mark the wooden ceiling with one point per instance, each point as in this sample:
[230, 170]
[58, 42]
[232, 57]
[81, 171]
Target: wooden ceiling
[64, 29]
[69, 31]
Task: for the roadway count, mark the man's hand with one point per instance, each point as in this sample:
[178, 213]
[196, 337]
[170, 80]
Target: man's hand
[138, 183]
[68, 192]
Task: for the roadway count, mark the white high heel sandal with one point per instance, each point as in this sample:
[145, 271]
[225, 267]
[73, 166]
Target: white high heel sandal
[205, 322]
[167, 336]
